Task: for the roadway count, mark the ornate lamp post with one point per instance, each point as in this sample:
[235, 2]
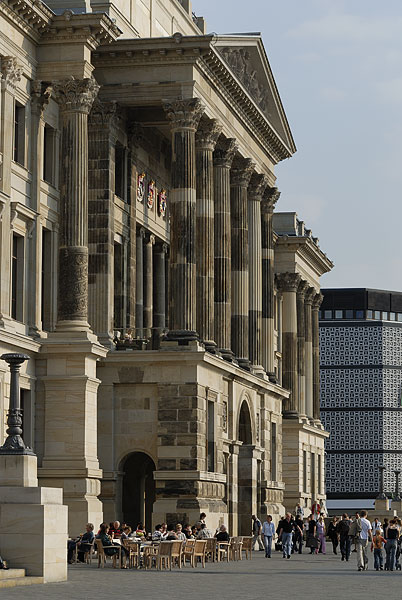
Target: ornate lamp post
[381, 495]
[396, 495]
[14, 443]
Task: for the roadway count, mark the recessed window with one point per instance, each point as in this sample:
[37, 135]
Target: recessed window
[399, 315]
[274, 450]
[392, 316]
[369, 314]
[46, 312]
[377, 315]
[328, 314]
[17, 277]
[19, 134]
[360, 314]
[385, 316]
[49, 154]
[339, 314]
[120, 171]
[348, 314]
[320, 314]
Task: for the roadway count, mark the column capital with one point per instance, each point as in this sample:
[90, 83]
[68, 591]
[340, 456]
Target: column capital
[288, 282]
[184, 113]
[76, 95]
[141, 233]
[257, 186]
[271, 197]
[103, 114]
[40, 95]
[302, 289]
[151, 240]
[161, 248]
[309, 297]
[317, 301]
[207, 134]
[241, 172]
[225, 151]
[11, 72]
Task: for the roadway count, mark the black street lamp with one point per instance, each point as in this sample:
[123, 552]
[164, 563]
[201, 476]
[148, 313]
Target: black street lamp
[381, 495]
[14, 443]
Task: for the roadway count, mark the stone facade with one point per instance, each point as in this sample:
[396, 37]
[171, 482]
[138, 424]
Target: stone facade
[170, 374]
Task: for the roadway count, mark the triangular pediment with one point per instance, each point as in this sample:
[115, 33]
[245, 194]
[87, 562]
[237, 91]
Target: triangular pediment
[246, 58]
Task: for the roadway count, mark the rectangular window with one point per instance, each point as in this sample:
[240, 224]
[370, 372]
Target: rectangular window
[313, 477]
[46, 310]
[328, 314]
[319, 458]
[27, 418]
[385, 316]
[49, 154]
[211, 436]
[304, 471]
[348, 314]
[118, 286]
[360, 314]
[377, 315]
[400, 317]
[392, 316]
[339, 314]
[273, 452]
[17, 277]
[120, 171]
[369, 314]
[19, 134]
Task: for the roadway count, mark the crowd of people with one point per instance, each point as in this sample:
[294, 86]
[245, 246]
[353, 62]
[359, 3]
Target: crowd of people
[355, 534]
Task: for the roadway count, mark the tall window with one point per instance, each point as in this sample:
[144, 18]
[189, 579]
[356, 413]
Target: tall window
[118, 286]
[19, 133]
[304, 471]
[27, 417]
[313, 477]
[273, 452]
[319, 465]
[17, 277]
[49, 154]
[46, 309]
[120, 171]
[211, 436]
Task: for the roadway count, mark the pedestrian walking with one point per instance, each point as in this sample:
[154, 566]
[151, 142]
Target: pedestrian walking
[391, 537]
[268, 533]
[298, 535]
[363, 536]
[321, 535]
[286, 533]
[376, 524]
[333, 534]
[257, 530]
[312, 541]
[345, 539]
[377, 545]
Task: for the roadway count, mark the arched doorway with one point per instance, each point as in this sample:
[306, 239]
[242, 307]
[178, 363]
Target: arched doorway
[245, 471]
[138, 489]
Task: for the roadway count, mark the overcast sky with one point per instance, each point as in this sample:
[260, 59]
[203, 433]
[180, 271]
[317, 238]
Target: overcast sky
[338, 67]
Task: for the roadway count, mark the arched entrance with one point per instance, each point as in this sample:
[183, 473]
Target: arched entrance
[138, 489]
[245, 471]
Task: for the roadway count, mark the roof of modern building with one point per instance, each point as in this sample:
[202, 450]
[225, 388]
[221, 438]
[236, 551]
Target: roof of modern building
[361, 298]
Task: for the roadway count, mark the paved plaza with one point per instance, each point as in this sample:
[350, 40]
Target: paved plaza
[302, 577]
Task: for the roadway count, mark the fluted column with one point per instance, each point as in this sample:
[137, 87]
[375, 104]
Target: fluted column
[301, 346]
[256, 189]
[308, 301]
[184, 116]
[288, 284]
[223, 158]
[270, 198]
[318, 298]
[139, 284]
[241, 172]
[205, 138]
[148, 286]
[75, 99]
[160, 287]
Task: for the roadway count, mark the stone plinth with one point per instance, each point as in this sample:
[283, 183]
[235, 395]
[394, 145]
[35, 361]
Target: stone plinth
[17, 472]
[382, 505]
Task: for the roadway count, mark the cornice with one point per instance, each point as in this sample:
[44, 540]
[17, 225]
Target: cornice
[94, 29]
[308, 250]
[32, 16]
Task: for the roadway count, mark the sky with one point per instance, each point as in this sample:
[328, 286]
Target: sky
[338, 67]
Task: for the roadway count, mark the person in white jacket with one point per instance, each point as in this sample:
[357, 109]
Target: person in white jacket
[268, 533]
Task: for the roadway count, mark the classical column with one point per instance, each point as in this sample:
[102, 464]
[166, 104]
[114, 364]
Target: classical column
[240, 176]
[301, 346]
[289, 283]
[318, 298]
[160, 287]
[75, 98]
[102, 136]
[148, 286]
[269, 200]
[223, 158]
[139, 278]
[205, 138]
[308, 302]
[11, 73]
[184, 116]
[256, 189]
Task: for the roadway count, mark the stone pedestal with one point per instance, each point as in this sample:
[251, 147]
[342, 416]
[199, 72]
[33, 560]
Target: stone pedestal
[382, 505]
[33, 521]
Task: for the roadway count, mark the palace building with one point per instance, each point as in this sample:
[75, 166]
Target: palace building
[170, 313]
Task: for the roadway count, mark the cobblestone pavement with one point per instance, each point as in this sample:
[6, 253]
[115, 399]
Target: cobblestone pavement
[303, 577]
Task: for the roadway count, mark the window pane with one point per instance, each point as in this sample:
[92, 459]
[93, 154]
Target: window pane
[348, 314]
[339, 314]
[359, 314]
[399, 316]
[392, 316]
[369, 314]
[328, 314]
[377, 315]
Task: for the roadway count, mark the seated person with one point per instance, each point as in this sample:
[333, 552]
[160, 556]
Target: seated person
[164, 530]
[188, 532]
[180, 535]
[140, 531]
[109, 547]
[83, 543]
[126, 534]
[171, 534]
[194, 531]
[157, 534]
[204, 533]
[115, 530]
[223, 535]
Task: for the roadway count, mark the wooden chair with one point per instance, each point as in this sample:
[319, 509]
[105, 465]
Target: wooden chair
[200, 547]
[235, 548]
[176, 553]
[223, 551]
[133, 549]
[150, 555]
[247, 547]
[188, 552]
[210, 551]
[102, 556]
[163, 558]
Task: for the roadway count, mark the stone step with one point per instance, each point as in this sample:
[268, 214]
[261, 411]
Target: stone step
[14, 577]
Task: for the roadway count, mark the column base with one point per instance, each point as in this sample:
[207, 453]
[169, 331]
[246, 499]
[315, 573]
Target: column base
[211, 347]
[272, 377]
[76, 326]
[243, 363]
[227, 355]
[290, 414]
[182, 336]
[258, 370]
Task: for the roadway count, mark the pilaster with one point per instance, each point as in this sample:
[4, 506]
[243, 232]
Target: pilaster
[301, 346]
[148, 286]
[160, 253]
[139, 297]
[308, 302]
[318, 298]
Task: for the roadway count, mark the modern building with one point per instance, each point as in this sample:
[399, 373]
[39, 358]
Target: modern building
[361, 387]
[169, 374]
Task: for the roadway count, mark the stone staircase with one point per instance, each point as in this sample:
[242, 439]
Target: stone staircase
[14, 577]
